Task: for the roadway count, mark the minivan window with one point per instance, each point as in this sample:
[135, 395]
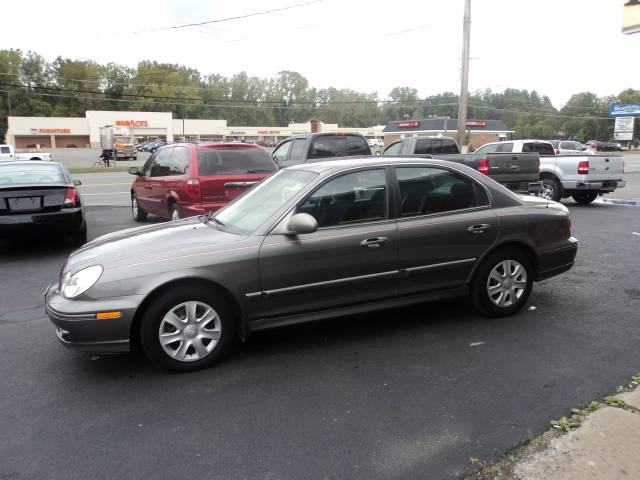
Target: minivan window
[161, 166]
[179, 164]
[214, 161]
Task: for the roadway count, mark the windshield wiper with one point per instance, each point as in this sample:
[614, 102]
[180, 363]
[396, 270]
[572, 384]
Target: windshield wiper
[207, 217]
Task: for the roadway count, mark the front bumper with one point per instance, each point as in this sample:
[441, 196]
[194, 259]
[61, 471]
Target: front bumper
[77, 325]
[603, 186]
[63, 222]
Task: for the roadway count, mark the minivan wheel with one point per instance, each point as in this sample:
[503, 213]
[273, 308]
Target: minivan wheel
[584, 198]
[139, 215]
[176, 212]
[502, 283]
[187, 328]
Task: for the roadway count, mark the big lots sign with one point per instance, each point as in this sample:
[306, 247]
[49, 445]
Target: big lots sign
[132, 123]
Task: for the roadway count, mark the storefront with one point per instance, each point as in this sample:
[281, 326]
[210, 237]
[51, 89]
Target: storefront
[61, 132]
[479, 131]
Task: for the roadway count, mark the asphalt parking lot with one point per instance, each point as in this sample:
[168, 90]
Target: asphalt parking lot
[404, 393]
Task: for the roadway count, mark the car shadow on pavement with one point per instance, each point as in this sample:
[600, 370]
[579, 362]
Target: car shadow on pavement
[15, 249]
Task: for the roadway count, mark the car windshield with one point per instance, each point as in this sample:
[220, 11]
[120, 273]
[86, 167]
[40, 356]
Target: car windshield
[234, 160]
[21, 174]
[252, 209]
[122, 140]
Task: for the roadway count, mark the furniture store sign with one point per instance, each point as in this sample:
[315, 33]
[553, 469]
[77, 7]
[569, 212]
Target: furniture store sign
[619, 109]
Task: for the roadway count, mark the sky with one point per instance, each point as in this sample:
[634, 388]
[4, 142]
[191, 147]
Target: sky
[557, 47]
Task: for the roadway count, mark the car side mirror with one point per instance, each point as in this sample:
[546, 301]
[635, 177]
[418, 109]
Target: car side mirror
[76, 183]
[301, 223]
[134, 171]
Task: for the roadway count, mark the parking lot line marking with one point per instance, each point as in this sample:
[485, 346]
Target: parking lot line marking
[106, 193]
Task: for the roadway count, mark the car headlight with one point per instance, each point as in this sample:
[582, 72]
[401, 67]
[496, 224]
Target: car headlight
[73, 285]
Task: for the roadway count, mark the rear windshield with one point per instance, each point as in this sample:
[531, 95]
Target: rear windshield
[245, 160]
[21, 174]
[338, 145]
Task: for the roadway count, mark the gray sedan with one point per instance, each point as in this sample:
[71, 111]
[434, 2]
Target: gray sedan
[311, 242]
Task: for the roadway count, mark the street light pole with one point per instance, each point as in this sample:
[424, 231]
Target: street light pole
[464, 83]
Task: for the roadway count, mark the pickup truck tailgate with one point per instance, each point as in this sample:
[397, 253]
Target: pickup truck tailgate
[514, 167]
[604, 167]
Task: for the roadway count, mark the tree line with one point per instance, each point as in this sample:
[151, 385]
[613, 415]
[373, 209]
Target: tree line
[32, 86]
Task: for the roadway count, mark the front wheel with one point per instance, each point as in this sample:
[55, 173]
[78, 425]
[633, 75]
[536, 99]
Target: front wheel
[139, 215]
[585, 198]
[502, 283]
[187, 328]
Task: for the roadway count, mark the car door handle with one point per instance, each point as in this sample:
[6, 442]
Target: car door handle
[148, 187]
[374, 242]
[479, 228]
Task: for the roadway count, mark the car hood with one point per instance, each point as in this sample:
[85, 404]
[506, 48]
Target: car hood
[538, 202]
[152, 242]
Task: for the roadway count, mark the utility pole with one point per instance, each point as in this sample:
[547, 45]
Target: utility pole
[464, 81]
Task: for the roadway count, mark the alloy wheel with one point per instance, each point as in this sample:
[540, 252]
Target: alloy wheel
[506, 283]
[134, 206]
[190, 331]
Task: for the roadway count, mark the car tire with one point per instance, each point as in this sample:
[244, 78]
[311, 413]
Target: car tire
[175, 211]
[490, 295]
[139, 215]
[585, 198]
[79, 238]
[200, 337]
[551, 189]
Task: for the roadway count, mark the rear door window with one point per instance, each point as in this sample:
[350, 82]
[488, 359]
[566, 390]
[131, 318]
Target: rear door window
[180, 161]
[449, 146]
[328, 146]
[297, 151]
[425, 146]
[505, 147]
[547, 149]
[357, 146]
[233, 161]
[491, 148]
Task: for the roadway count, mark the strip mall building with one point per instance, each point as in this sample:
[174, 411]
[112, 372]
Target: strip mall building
[67, 132]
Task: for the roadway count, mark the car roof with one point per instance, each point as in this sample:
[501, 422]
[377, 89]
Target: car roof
[337, 164]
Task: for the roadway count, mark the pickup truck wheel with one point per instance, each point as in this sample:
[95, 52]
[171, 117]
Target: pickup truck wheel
[502, 284]
[585, 198]
[139, 215]
[551, 189]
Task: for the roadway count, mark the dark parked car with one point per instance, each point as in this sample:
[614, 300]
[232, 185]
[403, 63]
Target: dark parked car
[40, 199]
[152, 147]
[189, 179]
[311, 147]
[311, 242]
[604, 146]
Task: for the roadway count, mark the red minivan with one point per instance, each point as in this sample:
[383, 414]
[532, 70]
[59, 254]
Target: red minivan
[185, 179]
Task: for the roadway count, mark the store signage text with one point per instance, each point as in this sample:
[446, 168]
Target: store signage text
[132, 123]
[268, 132]
[407, 124]
[624, 109]
[476, 123]
[51, 130]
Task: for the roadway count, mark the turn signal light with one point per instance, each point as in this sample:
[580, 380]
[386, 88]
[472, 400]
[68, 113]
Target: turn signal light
[483, 166]
[104, 315]
[583, 167]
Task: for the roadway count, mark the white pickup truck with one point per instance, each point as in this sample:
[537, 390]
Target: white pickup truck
[582, 177]
[7, 154]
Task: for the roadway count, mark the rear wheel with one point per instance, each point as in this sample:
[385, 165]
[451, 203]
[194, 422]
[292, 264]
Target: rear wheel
[585, 198]
[139, 215]
[502, 283]
[551, 189]
[187, 328]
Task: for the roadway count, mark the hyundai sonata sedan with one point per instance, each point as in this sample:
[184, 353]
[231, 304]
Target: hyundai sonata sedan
[311, 242]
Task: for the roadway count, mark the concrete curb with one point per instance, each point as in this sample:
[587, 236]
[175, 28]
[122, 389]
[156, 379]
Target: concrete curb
[619, 201]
